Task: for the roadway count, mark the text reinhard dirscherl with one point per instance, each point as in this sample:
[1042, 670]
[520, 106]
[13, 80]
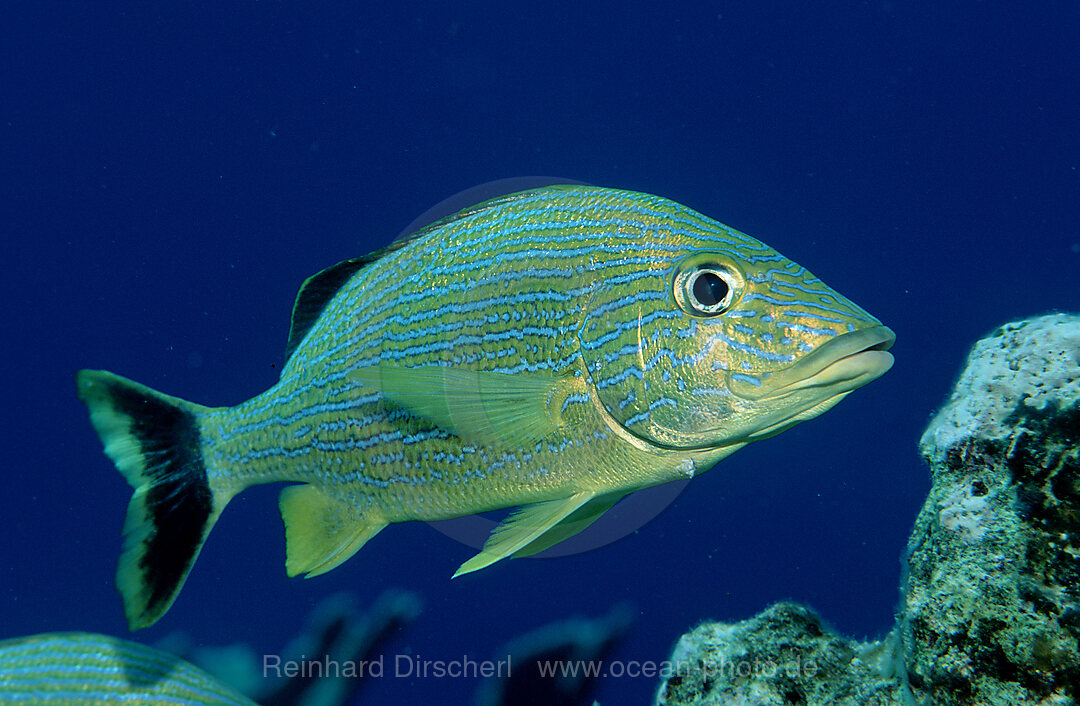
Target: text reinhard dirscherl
[414, 666]
[403, 666]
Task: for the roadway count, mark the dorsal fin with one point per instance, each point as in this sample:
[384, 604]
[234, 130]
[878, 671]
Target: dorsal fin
[317, 291]
[314, 294]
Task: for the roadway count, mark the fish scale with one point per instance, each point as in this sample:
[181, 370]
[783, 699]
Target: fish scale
[548, 350]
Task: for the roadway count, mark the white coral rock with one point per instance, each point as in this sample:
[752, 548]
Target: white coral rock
[1034, 363]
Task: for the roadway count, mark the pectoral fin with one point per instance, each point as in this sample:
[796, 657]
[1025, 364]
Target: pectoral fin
[486, 408]
[321, 532]
[522, 528]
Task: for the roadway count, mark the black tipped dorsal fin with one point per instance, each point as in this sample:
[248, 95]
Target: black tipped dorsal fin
[314, 294]
[318, 289]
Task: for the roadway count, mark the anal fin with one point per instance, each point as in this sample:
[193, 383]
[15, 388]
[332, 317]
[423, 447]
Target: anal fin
[522, 528]
[321, 532]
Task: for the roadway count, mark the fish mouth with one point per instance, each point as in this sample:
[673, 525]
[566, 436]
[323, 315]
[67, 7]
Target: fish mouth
[841, 365]
[820, 380]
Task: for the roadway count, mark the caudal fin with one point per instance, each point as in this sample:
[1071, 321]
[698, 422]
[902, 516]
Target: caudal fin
[154, 441]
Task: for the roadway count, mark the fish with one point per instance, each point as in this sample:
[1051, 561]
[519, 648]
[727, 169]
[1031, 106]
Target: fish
[550, 350]
[78, 668]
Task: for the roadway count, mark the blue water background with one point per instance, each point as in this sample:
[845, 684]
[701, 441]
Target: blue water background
[172, 172]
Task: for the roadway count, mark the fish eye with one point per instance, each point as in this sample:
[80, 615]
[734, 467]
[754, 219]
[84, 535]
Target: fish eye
[706, 289]
[710, 289]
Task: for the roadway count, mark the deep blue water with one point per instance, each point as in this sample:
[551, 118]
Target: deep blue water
[173, 171]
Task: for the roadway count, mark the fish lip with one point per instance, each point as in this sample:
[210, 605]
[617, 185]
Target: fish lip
[844, 359]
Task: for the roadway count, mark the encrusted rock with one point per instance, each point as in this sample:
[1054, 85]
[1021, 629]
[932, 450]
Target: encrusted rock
[782, 656]
[994, 560]
[991, 600]
[1021, 368]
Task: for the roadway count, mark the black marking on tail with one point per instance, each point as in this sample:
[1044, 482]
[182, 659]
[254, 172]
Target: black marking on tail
[154, 441]
[178, 500]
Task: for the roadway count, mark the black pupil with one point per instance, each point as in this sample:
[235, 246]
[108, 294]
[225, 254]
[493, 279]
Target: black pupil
[710, 289]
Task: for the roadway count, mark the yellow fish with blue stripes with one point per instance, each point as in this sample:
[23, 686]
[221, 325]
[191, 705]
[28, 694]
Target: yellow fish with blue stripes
[84, 669]
[552, 350]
